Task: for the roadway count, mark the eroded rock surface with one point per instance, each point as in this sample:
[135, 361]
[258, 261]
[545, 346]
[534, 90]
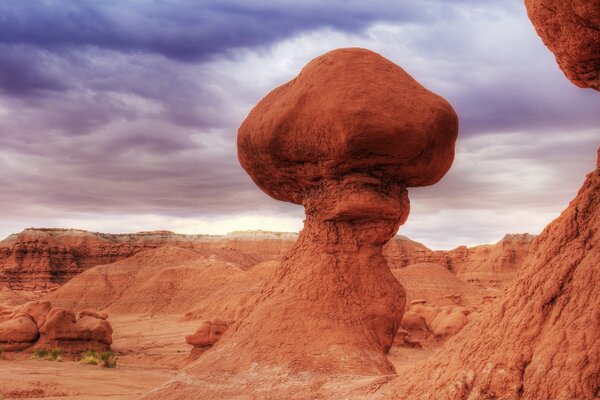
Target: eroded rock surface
[542, 339]
[571, 30]
[39, 325]
[207, 334]
[47, 258]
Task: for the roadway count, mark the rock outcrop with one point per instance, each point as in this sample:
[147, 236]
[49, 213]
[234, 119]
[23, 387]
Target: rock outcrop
[166, 280]
[40, 325]
[434, 285]
[39, 259]
[541, 340]
[207, 334]
[47, 258]
[571, 30]
[344, 139]
[486, 265]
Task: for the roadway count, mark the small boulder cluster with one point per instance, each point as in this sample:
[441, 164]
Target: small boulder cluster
[40, 325]
[422, 322]
[207, 334]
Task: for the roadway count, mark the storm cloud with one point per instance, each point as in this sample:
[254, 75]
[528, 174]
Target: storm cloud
[128, 110]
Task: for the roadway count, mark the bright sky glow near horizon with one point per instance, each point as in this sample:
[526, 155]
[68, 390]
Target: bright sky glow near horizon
[121, 116]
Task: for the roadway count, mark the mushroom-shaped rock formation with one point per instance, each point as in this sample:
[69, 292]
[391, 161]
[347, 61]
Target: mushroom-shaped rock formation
[571, 30]
[345, 139]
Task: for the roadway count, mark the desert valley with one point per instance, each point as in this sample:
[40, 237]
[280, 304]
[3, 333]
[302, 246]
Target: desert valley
[159, 287]
[348, 308]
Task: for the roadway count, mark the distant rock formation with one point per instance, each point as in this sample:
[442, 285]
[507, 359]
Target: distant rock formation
[542, 339]
[40, 325]
[166, 280]
[345, 139]
[485, 265]
[47, 258]
[435, 285]
[571, 30]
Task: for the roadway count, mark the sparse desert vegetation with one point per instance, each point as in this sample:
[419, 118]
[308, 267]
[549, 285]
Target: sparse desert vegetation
[47, 354]
[105, 359]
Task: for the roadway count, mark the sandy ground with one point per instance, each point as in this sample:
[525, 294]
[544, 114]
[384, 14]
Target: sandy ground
[150, 350]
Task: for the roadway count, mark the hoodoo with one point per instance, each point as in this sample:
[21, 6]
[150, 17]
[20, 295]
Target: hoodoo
[345, 139]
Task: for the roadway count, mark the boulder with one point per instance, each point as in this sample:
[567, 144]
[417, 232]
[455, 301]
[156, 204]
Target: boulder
[21, 329]
[96, 329]
[37, 310]
[414, 322]
[449, 322]
[207, 334]
[60, 325]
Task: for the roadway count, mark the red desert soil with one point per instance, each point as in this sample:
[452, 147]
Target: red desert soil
[167, 280]
[149, 350]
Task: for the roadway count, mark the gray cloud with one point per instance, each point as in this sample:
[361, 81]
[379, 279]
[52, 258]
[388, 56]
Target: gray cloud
[132, 108]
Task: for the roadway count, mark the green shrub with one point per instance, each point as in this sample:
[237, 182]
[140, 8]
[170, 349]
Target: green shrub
[105, 359]
[89, 357]
[48, 354]
[109, 360]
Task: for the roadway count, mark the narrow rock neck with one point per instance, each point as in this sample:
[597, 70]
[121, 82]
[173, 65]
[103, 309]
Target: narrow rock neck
[341, 235]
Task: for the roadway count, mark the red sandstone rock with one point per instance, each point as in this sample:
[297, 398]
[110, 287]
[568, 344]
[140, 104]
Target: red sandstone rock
[20, 329]
[207, 334]
[449, 322]
[345, 139]
[414, 322]
[90, 313]
[23, 264]
[541, 339]
[58, 327]
[436, 286]
[37, 310]
[200, 285]
[95, 329]
[571, 30]
[47, 258]
[348, 163]
[485, 266]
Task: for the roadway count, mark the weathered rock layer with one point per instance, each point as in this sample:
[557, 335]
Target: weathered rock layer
[47, 258]
[571, 30]
[542, 339]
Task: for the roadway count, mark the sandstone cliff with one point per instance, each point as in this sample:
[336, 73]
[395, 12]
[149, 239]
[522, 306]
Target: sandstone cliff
[47, 258]
[541, 340]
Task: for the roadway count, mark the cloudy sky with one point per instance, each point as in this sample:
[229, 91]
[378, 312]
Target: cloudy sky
[121, 116]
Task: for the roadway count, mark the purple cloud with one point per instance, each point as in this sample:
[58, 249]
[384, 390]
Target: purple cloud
[132, 107]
